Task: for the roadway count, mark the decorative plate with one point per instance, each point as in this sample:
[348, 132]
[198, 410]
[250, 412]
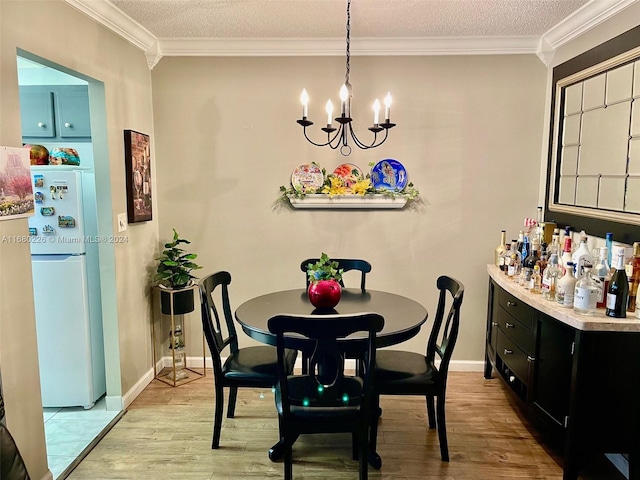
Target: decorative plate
[307, 178]
[349, 173]
[389, 174]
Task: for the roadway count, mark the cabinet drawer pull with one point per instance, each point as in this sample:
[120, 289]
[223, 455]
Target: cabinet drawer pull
[494, 324]
[67, 124]
[41, 125]
[512, 378]
[511, 304]
[531, 359]
[509, 325]
[508, 352]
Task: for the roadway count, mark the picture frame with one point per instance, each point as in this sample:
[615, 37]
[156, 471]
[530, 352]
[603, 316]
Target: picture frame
[16, 184]
[137, 157]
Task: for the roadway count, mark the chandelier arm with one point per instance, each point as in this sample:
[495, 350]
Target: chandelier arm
[329, 141]
[373, 144]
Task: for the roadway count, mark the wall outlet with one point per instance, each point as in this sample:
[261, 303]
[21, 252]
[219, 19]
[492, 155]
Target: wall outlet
[122, 222]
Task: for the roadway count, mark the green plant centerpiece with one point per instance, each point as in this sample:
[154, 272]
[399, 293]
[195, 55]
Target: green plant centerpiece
[174, 272]
[324, 283]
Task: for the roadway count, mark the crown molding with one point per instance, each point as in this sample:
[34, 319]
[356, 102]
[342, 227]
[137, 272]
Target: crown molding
[582, 20]
[589, 16]
[270, 47]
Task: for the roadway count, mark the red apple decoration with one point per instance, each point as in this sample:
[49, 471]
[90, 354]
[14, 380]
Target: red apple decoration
[324, 294]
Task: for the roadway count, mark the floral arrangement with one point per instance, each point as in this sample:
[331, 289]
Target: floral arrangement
[335, 185]
[324, 269]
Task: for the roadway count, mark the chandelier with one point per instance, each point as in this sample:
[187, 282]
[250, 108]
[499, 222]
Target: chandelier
[339, 137]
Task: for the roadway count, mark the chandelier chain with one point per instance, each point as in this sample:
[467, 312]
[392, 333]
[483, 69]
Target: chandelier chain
[346, 77]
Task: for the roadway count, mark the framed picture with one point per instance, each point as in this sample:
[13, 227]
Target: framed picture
[137, 157]
[16, 186]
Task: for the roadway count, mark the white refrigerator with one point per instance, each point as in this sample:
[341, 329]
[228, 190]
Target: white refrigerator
[66, 287]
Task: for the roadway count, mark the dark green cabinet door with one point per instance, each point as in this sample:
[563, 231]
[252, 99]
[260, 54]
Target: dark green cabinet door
[36, 107]
[553, 369]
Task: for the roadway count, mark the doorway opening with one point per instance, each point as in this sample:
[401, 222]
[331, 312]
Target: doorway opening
[80, 379]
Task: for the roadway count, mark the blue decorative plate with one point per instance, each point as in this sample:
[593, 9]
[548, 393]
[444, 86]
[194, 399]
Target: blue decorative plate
[389, 174]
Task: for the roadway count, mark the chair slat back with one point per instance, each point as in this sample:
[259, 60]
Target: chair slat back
[219, 333]
[444, 333]
[346, 264]
[326, 371]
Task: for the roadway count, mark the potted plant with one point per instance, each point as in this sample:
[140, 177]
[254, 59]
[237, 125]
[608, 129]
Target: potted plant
[174, 273]
[324, 283]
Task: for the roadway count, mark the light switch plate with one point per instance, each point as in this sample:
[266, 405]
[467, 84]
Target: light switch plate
[122, 222]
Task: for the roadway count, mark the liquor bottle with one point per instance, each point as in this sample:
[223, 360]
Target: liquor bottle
[566, 253]
[536, 280]
[515, 263]
[609, 243]
[632, 269]
[504, 258]
[550, 278]
[618, 292]
[554, 246]
[528, 265]
[587, 292]
[543, 261]
[500, 248]
[581, 256]
[520, 242]
[602, 270]
[565, 287]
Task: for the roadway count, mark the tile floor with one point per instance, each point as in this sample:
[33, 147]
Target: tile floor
[69, 431]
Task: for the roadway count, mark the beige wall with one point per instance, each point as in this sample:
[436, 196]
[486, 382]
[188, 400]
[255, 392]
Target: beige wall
[225, 139]
[81, 45]
[469, 131]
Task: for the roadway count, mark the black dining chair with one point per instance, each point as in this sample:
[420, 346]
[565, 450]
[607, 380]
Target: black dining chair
[243, 367]
[325, 400]
[346, 264]
[409, 373]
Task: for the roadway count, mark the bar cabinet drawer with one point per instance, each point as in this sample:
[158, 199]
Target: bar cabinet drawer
[513, 357]
[517, 308]
[514, 330]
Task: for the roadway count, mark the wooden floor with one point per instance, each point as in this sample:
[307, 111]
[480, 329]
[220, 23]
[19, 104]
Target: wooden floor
[166, 434]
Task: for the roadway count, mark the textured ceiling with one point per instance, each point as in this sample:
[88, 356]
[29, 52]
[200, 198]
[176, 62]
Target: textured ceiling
[326, 18]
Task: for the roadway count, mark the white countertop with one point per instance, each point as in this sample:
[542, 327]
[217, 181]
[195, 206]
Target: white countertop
[598, 322]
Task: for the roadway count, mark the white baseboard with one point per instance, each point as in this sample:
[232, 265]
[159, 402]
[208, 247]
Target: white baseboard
[137, 389]
[114, 403]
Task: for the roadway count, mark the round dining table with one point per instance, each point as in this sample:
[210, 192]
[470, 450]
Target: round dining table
[403, 318]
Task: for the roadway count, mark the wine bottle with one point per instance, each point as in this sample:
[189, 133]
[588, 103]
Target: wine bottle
[618, 293]
[633, 274]
[500, 248]
[602, 271]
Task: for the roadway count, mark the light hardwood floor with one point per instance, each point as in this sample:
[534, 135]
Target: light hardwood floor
[166, 434]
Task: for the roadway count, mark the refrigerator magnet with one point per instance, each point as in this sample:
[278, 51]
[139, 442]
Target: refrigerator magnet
[54, 190]
[33, 231]
[48, 230]
[47, 211]
[38, 181]
[38, 197]
[66, 221]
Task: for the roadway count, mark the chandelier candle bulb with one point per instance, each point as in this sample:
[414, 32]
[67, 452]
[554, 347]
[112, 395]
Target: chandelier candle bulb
[329, 109]
[344, 95]
[304, 99]
[387, 106]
